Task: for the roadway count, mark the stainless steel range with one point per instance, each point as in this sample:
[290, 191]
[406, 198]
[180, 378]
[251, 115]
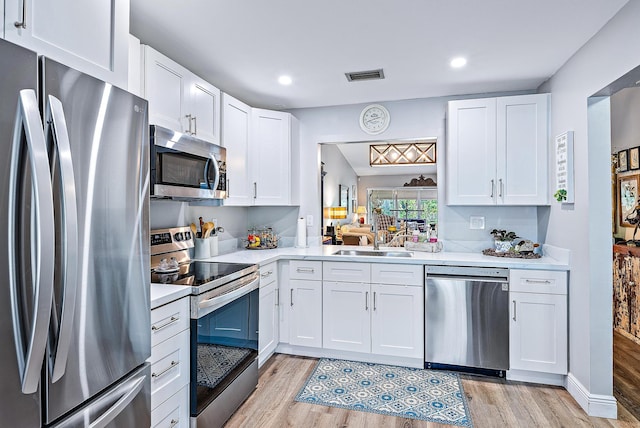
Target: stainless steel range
[224, 324]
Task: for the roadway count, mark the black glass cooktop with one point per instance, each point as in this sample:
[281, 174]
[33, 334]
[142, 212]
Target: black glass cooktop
[198, 274]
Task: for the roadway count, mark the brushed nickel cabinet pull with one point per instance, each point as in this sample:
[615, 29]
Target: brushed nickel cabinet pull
[188, 117]
[500, 188]
[514, 310]
[167, 324]
[22, 24]
[163, 372]
[173, 422]
[291, 297]
[492, 186]
[366, 301]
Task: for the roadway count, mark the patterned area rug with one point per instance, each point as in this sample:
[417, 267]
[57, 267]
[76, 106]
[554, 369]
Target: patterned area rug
[215, 361]
[427, 395]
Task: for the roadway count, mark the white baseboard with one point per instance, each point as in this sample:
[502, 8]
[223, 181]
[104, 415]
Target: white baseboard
[537, 377]
[601, 406]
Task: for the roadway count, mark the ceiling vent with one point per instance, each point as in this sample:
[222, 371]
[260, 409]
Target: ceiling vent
[365, 75]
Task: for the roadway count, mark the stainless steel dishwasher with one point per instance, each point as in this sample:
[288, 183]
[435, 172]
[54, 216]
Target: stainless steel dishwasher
[467, 319]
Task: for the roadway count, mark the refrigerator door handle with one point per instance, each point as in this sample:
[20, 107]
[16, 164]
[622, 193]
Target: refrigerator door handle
[134, 388]
[29, 126]
[57, 131]
[216, 169]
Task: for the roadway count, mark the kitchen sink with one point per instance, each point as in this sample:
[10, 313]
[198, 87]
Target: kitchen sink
[370, 253]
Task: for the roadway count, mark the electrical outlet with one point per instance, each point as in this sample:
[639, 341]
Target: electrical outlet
[476, 222]
[309, 219]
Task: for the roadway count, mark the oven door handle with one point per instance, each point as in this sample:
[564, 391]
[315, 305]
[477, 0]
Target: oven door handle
[209, 305]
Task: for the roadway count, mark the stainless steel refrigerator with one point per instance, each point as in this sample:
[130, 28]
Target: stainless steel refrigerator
[74, 293]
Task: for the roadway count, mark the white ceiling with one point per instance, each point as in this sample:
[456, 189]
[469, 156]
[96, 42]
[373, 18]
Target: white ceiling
[243, 46]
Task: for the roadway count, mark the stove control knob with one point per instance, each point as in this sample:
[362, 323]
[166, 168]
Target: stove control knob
[178, 237]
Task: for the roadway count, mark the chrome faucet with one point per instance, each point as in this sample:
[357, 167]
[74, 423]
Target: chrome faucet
[376, 244]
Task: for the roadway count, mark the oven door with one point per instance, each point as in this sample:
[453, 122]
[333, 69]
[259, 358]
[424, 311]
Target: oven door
[224, 338]
[183, 167]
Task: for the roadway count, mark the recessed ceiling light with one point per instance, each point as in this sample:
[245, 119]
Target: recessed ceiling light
[458, 62]
[285, 80]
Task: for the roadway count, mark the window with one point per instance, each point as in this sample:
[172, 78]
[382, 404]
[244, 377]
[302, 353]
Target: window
[405, 203]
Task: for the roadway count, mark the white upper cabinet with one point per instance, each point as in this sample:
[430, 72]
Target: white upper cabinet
[497, 151]
[204, 108]
[270, 157]
[91, 36]
[180, 100]
[236, 126]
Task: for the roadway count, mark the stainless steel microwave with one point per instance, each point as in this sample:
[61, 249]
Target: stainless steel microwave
[186, 168]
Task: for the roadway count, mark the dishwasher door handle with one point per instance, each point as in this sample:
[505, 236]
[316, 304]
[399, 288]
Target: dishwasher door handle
[469, 278]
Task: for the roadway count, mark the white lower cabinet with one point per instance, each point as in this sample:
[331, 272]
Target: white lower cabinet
[381, 319]
[538, 321]
[170, 364]
[397, 320]
[268, 319]
[346, 316]
[174, 413]
[304, 303]
[305, 313]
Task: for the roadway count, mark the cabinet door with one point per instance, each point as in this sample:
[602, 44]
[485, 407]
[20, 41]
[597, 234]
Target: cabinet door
[269, 157]
[173, 413]
[268, 321]
[305, 309]
[522, 149]
[204, 108]
[165, 83]
[346, 321]
[538, 332]
[236, 125]
[471, 152]
[397, 320]
[91, 36]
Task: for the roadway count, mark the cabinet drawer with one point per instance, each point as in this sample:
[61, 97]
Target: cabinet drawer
[169, 367]
[268, 274]
[538, 281]
[397, 274]
[302, 269]
[169, 320]
[173, 413]
[346, 272]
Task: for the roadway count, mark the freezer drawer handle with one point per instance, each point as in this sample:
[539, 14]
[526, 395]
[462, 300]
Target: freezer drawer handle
[107, 417]
[29, 126]
[167, 324]
[163, 372]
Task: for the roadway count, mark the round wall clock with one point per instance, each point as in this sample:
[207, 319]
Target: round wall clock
[374, 119]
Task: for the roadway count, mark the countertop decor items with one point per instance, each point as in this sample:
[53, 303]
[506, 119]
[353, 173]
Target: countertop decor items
[262, 239]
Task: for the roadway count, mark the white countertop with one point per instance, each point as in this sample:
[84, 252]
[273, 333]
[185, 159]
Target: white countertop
[163, 294]
[325, 252]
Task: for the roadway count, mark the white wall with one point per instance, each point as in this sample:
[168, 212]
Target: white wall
[585, 227]
[417, 118]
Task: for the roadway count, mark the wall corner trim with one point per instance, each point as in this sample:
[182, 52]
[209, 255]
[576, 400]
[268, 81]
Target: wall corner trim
[601, 406]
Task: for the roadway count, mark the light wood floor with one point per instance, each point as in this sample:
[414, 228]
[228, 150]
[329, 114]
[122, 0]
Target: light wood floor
[492, 403]
[626, 373]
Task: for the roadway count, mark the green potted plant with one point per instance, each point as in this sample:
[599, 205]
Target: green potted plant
[503, 239]
[560, 195]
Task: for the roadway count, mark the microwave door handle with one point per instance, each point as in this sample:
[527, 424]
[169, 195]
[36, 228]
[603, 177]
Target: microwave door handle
[57, 131]
[29, 125]
[216, 170]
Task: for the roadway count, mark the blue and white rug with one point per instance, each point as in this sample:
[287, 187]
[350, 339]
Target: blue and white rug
[427, 395]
